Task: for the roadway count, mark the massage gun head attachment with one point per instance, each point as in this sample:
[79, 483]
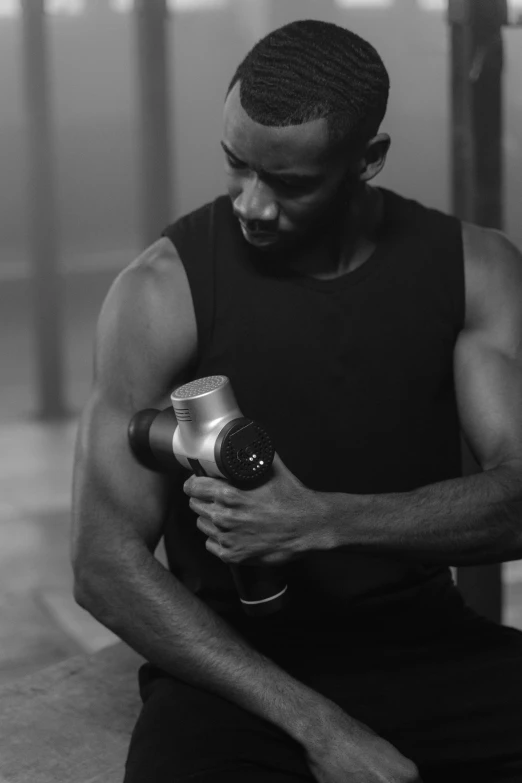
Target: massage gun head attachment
[243, 450]
[200, 386]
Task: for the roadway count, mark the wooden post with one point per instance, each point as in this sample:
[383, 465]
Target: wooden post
[153, 117]
[46, 278]
[477, 182]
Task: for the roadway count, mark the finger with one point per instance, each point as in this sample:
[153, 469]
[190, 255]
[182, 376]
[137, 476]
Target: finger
[202, 507]
[203, 488]
[279, 469]
[216, 549]
[206, 527]
[278, 466]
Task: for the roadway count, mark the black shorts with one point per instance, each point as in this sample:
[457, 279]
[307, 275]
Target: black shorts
[439, 682]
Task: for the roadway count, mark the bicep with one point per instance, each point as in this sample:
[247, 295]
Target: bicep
[489, 397]
[488, 352]
[116, 501]
[143, 347]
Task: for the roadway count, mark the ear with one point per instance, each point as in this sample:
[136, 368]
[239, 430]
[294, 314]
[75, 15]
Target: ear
[374, 157]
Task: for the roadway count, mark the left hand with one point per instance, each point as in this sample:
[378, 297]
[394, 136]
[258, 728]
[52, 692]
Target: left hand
[271, 524]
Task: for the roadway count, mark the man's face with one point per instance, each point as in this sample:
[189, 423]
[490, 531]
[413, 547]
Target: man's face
[285, 184]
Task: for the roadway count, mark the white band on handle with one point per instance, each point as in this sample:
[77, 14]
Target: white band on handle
[264, 600]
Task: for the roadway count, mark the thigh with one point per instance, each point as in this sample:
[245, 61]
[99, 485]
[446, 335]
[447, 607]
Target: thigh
[449, 698]
[187, 734]
[454, 705]
[472, 716]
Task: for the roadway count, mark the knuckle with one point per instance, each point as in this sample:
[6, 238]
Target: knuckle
[228, 493]
[412, 775]
[224, 522]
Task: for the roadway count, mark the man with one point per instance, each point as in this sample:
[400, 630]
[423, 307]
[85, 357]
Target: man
[363, 330]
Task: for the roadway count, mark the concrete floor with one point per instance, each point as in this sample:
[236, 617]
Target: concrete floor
[39, 621]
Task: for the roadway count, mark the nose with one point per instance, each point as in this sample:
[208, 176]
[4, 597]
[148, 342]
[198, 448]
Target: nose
[256, 202]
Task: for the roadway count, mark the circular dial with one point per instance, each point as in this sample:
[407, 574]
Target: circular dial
[246, 452]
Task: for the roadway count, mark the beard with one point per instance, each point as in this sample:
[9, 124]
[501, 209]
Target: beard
[322, 236]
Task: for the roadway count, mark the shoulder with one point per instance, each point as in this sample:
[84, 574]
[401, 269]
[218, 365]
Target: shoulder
[493, 274]
[428, 223]
[154, 289]
[146, 332]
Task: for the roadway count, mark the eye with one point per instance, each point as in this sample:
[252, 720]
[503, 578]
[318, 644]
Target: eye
[294, 187]
[234, 164]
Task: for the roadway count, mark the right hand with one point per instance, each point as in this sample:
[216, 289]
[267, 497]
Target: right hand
[348, 751]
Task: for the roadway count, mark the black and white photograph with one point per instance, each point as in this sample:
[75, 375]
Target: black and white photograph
[261, 391]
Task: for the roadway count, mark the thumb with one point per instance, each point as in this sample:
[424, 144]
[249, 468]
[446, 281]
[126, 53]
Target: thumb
[280, 469]
[278, 465]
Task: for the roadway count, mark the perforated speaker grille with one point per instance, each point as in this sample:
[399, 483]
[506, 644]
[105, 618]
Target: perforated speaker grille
[200, 386]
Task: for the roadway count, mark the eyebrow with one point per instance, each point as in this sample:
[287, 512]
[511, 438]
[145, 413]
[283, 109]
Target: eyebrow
[299, 178]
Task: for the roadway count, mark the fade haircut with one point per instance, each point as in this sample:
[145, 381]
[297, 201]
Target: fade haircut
[309, 70]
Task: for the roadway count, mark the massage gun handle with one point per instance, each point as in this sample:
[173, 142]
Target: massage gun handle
[262, 589]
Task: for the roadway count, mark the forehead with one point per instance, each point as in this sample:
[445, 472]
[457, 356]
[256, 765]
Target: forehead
[304, 147]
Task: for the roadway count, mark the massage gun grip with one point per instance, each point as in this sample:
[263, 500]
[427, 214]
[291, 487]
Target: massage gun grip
[262, 589]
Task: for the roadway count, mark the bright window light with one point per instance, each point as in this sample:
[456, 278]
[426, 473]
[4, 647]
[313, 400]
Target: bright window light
[515, 6]
[515, 12]
[121, 5]
[173, 5]
[195, 5]
[70, 7]
[428, 5]
[434, 5]
[364, 3]
[9, 8]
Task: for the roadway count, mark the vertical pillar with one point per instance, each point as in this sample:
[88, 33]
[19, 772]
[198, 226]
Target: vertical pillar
[477, 186]
[153, 117]
[46, 277]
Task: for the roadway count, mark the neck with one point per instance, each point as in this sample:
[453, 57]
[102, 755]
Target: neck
[349, 239]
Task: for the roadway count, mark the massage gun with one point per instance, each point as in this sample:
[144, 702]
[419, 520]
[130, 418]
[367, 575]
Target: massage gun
[205, 431]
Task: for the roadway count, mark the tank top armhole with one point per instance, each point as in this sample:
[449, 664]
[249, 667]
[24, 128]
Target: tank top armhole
[193, 237]
[458, 281]
[444, 232]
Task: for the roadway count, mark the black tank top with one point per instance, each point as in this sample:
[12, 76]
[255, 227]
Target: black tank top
[352, 377]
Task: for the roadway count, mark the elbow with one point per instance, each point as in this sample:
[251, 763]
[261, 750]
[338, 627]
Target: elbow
[81, 571]
[80, 594]
[97, 607]
[101, 584]
[89, 592]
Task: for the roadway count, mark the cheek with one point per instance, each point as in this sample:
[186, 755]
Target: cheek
[304, 212]
[234, 185]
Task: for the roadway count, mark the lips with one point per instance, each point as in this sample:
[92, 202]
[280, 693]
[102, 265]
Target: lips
[258, 235]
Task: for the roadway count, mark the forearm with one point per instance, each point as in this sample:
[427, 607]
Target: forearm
[156, 615]
[473, 520]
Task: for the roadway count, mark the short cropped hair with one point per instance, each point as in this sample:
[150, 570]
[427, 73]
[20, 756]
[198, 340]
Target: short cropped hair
[309, 70]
